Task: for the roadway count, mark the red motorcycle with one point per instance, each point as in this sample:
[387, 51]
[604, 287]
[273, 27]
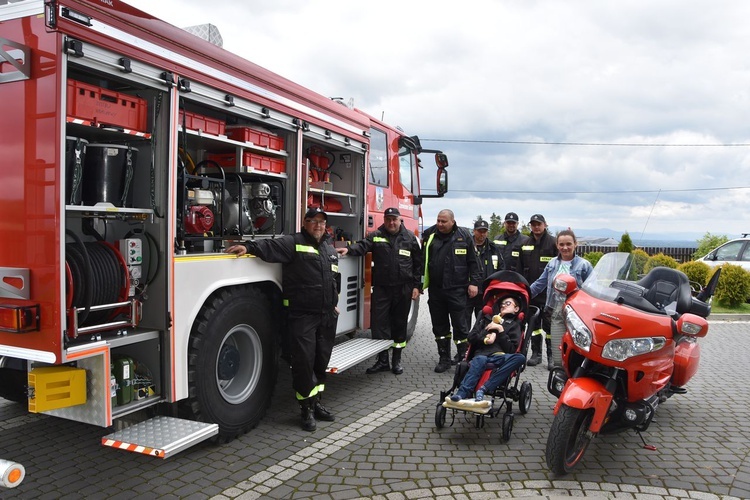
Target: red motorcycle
[627, 346]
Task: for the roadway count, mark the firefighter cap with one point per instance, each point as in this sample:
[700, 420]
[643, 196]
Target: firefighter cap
[312, 212]
[481, 224]
[511, 217]
[391, 212]
[538, 218]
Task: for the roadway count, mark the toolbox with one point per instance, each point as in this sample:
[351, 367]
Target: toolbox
[106, 107]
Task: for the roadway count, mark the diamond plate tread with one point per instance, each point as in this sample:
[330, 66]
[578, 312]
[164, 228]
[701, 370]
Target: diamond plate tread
[352, 352]
[161, 436]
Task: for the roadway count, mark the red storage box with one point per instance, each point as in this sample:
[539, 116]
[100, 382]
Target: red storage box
[256, 162]
[102, 106]
[257, 137]
[206, 124]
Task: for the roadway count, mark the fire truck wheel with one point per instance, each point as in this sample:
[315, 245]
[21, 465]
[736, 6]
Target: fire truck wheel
[412, 321]
[13, 385]
[232, 361]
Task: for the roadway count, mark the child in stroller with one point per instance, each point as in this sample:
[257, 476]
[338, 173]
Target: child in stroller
[495, 355]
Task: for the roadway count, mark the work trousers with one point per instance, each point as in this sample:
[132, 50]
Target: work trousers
[390, 313]
[504, 366]
[448, 307]
[473, 306]
[311, 337]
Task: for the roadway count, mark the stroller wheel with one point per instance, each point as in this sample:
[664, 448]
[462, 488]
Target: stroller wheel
[507, 426]
[440, 416]
[524, 398]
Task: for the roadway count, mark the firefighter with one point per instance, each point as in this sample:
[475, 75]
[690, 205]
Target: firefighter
[311, 283]
[538, 249]
[510, 242]
[396, 280]
[451, 273]
[490, 260]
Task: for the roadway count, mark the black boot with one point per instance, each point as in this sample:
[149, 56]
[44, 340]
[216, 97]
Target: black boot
[444, 351]
[461, 353]
[308, 414]
[381, 365]
[396, 362]
[320, 411]
[536, 350]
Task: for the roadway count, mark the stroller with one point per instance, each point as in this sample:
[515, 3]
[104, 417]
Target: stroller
[497, 286]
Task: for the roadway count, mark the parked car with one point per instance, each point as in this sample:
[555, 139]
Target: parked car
[735, 252]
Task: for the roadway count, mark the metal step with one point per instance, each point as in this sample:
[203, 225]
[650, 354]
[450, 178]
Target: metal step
[354, 351]
[161, 436]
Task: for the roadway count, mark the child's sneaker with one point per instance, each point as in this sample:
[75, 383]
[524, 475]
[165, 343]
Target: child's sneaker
[457, 397]
[479, 395]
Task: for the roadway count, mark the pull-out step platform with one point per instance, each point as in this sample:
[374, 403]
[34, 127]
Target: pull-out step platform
[161, 436]
[352, 352]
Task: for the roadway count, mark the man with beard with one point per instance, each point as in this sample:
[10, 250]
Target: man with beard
[311, 282]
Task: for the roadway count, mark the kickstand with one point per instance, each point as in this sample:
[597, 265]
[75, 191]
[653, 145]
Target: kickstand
[645, 446]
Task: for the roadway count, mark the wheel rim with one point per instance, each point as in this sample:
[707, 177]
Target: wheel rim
[239, 364]
[579, 440]
[526, 403]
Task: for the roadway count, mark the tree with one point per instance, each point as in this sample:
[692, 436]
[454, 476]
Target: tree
[626, 244]
[496, 225]
[707, 243]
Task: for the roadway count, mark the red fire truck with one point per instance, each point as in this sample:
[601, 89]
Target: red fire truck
[134, 152]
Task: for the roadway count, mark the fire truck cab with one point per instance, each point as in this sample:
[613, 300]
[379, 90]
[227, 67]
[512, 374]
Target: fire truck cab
[133, 153]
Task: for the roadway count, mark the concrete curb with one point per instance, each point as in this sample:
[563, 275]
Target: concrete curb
[729, 317]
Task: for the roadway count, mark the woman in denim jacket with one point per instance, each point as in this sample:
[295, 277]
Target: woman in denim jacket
[566, 262]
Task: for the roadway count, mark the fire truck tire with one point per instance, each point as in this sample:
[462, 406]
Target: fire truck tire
[232, 364]
[13, 385]
[411, 324]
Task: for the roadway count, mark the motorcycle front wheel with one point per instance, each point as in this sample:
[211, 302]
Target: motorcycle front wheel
[568, 439]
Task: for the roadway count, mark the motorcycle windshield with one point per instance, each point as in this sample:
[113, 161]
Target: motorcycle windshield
[613, 266]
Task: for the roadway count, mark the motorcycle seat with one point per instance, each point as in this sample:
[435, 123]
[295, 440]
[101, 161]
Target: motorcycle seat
[665, 286]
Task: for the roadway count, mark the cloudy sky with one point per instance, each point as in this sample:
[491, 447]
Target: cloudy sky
[633, 116]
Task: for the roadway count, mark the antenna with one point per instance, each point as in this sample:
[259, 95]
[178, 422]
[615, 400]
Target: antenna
[649, 215]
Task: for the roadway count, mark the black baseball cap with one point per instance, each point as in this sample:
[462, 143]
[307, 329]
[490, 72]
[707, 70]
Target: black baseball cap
[312, 212]
[511, 217]
[391, 212]
[481, 224]
[538, 218]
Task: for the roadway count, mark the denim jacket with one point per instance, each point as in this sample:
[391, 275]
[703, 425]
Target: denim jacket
[580, 268]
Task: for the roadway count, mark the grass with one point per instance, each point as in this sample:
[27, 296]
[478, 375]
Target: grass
[742, 309]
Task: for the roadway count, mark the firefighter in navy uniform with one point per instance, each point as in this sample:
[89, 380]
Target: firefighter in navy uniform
[396, 280]
[538, 249]
[311, 283]
[490, 260]
[510, 242]
[451, 275]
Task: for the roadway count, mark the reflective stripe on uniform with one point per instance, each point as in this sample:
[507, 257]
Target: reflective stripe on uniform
[334, 268]
[316, 390]
[545, 259]
[426, 276]
[306, 249]
[461, 341]
[460, 251]
[399, 345]
[536, 332]
[379, 239]
[449, 336]
[405, 253]
[527, 248]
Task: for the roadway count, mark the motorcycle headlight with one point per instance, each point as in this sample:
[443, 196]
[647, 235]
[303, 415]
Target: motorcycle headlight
[622, 349]
[578, 329]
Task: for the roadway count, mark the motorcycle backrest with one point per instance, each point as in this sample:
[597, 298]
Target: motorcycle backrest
[665, 286]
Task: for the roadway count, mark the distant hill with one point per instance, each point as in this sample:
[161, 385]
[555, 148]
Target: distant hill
[677, 239]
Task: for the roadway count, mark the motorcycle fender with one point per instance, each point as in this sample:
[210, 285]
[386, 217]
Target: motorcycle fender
[586, 393]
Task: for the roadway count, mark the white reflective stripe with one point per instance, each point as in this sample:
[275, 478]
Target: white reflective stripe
[406, 253]
[30, 354]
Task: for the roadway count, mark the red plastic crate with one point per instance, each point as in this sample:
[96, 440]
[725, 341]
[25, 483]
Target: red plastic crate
[89, 102]
[257, 137]
[206, 124]
[256, 162]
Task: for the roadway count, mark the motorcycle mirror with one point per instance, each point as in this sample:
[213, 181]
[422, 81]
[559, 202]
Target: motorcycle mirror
[692, 325]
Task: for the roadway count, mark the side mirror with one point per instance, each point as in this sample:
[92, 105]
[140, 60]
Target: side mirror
[442, 181]
[441, 160]
[692, 325]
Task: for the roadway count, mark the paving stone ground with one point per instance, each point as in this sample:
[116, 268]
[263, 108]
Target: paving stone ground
[384, 444]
